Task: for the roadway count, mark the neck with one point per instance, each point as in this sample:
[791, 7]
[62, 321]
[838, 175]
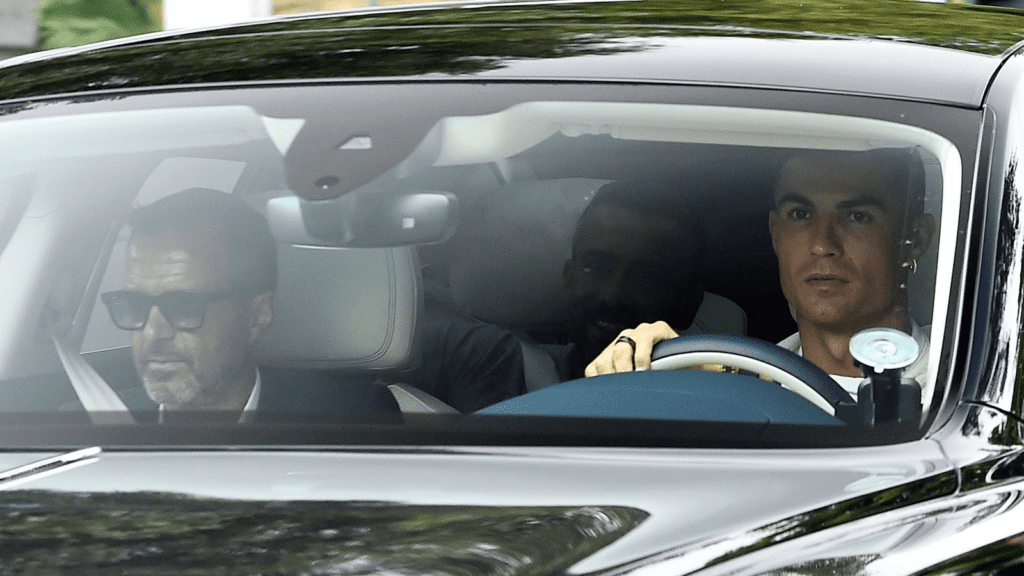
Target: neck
[828, 347]
[231, 399]
[237, 394]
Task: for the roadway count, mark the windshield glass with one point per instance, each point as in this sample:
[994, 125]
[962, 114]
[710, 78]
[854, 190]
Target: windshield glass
[256, 256]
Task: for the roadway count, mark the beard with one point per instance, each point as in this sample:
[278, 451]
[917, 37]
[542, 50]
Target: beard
[592, 328]
[184, 389]
[171, 393]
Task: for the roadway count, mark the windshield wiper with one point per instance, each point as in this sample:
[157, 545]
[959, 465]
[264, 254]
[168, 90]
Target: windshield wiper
[47, 465]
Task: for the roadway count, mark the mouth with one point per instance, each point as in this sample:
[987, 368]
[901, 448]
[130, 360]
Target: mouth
[606, 324]
[608, 328]
[825, 281]
[162, 361]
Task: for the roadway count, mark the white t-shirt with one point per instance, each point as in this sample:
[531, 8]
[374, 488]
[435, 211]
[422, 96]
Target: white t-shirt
[918, 370]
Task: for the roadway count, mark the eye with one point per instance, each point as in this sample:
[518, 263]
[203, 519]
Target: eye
[860, 217]
[798, 213]
[597, 265]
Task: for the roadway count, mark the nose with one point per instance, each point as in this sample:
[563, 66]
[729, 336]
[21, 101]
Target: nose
[157, 327]
[615, 288]
[825, 241]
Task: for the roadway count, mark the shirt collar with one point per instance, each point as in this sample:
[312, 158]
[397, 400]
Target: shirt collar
[254, 399]
[792, 343]
[918, 370]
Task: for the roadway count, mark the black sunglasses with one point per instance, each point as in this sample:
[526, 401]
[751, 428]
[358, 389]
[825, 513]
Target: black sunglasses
[183, 310]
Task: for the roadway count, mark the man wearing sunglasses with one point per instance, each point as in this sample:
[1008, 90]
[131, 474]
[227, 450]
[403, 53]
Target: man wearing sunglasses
[201, 275]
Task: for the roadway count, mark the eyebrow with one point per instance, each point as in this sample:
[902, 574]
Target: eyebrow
[862, 202]
[858, 202]
[596, 252]
[794, 198]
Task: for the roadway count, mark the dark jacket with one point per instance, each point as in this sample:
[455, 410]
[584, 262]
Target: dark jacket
[289, 395]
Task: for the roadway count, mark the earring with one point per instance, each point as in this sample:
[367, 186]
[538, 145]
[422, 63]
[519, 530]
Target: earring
[912, 265]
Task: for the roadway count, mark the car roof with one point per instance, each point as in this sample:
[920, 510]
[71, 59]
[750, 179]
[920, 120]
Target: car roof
[897, 48]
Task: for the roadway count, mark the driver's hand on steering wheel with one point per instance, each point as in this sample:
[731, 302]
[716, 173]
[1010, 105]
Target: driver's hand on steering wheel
[624, 356]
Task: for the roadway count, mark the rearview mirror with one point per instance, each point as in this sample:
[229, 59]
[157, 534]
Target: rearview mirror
[365, 219]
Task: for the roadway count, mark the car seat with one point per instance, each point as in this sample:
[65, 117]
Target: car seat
[352, 309]
[344, 308]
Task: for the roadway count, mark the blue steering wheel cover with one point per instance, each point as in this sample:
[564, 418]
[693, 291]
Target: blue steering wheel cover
[766, 352]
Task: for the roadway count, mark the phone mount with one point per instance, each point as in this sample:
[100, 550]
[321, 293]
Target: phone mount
[884, 396]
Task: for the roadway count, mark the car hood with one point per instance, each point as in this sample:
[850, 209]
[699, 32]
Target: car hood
[508, 511]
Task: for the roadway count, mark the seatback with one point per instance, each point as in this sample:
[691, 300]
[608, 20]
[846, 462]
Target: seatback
[512, 246]
[352, 308]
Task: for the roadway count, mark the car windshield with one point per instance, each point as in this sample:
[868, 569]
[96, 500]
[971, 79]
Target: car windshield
[469, 249]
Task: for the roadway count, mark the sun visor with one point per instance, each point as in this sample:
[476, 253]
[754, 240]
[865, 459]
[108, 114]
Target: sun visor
[113, 133]
[491, 138]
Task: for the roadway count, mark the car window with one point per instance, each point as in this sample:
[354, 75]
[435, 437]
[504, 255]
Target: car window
[468, 255]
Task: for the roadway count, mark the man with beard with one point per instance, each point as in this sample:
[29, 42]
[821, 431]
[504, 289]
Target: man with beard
[201, 276]
[848, 229]
[636, 257]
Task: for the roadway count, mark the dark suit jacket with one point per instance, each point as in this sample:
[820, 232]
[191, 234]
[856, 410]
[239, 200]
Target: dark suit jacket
[287, 395]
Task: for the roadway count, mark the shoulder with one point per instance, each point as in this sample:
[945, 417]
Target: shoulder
[463, 332]
[921, 334]
[919, 369]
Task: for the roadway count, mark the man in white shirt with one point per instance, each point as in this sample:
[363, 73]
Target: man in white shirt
[848, 229]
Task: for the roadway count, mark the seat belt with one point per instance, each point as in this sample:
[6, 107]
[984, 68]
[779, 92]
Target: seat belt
[100, 401]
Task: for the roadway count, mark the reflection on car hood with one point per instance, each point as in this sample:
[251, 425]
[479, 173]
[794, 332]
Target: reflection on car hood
[174, 534]
[445, 512]
[900, 49]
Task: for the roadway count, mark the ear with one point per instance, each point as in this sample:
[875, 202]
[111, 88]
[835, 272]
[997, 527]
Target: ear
[567, 273]
[921, 231]
[773, 222]
[261, 314]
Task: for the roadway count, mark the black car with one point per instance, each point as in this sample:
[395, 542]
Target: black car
[316, 295]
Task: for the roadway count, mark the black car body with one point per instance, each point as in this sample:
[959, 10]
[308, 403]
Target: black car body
[444, 104]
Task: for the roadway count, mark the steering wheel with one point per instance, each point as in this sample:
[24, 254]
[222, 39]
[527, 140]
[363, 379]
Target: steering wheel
[789, 370]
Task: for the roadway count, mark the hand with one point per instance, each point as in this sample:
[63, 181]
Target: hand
[619, 356]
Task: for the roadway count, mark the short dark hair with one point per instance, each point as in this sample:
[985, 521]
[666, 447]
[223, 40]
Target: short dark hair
[252, 264]
[654, 203]
[901, 168]
[906, 171]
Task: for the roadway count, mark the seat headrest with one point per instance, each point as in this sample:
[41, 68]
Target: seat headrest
[344, 308]
[512, 248]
